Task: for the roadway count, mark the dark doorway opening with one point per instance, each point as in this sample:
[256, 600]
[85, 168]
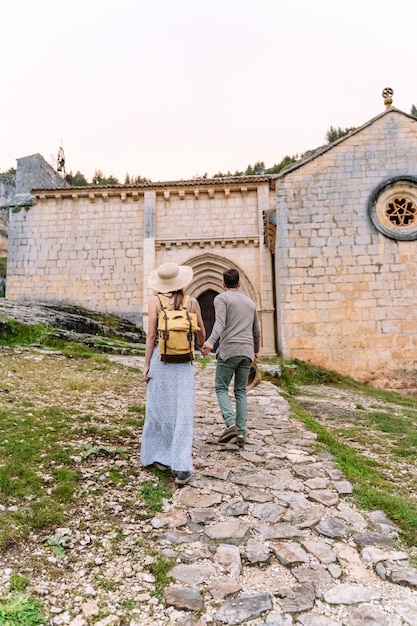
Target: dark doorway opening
[205, 301]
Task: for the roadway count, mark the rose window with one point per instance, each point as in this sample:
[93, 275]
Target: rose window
[393, 208]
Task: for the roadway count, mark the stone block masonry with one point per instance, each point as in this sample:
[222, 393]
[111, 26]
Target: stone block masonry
[84, 249]
[95, 247]
[333, 284]
[347, 293]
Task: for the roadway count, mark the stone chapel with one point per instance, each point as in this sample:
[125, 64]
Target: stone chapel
[327, 248]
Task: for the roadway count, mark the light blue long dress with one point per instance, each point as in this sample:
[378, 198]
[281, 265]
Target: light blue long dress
[168, 431]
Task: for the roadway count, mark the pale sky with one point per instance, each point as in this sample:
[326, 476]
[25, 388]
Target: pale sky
[172, 89]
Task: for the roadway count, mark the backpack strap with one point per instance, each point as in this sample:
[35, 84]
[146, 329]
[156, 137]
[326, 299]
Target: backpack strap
[187, 304]
[162, 301]
[163, 331]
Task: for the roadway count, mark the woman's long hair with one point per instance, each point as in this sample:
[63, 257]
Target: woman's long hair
[178, 298]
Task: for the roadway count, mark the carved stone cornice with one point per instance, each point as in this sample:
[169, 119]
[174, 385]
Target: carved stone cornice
[92, 194]
[213, 242]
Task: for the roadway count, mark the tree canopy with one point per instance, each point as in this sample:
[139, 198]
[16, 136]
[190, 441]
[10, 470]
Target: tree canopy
[333, 134]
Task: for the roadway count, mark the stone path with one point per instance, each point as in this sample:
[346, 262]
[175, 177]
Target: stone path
[267, 534]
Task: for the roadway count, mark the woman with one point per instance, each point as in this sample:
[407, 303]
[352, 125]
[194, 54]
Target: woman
[167, 437]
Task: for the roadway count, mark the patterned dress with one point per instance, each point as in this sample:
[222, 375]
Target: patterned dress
[168, 431]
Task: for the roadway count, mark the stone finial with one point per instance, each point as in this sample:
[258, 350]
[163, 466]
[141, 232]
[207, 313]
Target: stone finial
[387, 94]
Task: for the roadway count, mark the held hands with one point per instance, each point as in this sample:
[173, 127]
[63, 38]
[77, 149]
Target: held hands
[206, 348]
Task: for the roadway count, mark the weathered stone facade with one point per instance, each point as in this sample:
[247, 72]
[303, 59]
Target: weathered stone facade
[347, 293]
[7, 192]
[95, 247]
[326, 249]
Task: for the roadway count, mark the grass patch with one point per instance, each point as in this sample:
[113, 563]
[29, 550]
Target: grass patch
[372, 491]
[153, 492]
[14, 333]
[21, 610]
[18, 583]
[401, 430]
[116, 476]
[372, 433]
[138, 418]
[45, 428]
[296, 374]
[160, 568]
[106, 450]
[3, 266]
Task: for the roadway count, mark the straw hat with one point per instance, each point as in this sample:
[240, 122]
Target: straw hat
[170, 277]
[254, 377]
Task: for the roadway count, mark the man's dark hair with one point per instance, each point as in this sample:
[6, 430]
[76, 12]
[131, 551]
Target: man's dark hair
[231, 278]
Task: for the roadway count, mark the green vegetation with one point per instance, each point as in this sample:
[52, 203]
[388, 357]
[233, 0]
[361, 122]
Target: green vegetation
[371, 490]
[18, 583]
[153, 492]
[295, 373]
[3, 267]
[21, 610]
[58, 543]
[333, 134]
[259, 168]
[138, 418]
[160, 568]
[110, 450]
[13, 332]
[79, 180]
[374, 445]
[51, 413]
[30, 440]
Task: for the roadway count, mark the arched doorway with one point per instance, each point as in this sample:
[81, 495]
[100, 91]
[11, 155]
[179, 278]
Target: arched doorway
[207, 283]
[205, 301]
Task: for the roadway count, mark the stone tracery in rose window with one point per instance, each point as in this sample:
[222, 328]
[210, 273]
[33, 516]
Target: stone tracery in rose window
[393, 208]
[401, 211]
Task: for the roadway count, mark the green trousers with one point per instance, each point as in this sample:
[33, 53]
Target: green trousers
[239, 368]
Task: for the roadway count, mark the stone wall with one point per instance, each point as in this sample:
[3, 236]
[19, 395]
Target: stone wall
[34, 172]
[95, 247]
[7, 192]
[347, 293]
[212, 226]
[83, 249]
[15, 190]
[344, 288]
[4, 229]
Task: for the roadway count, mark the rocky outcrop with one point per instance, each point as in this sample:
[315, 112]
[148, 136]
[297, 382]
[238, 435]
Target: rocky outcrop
[73, 323]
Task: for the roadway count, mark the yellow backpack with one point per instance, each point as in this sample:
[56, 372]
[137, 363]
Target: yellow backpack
[176, 332]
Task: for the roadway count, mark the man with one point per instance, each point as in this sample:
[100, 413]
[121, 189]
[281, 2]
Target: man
[237, 327]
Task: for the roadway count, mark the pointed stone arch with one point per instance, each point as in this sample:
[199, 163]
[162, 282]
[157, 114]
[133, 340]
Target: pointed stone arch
[208, 274]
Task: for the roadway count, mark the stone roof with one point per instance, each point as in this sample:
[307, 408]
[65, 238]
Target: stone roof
[198, 182]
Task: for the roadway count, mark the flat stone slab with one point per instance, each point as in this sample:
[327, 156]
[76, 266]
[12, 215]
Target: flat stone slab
[183, 598]
[349, 594]
[232, 531]
[240, 610]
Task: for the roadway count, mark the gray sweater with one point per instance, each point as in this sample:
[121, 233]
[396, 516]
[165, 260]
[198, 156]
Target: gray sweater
[236, 325]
